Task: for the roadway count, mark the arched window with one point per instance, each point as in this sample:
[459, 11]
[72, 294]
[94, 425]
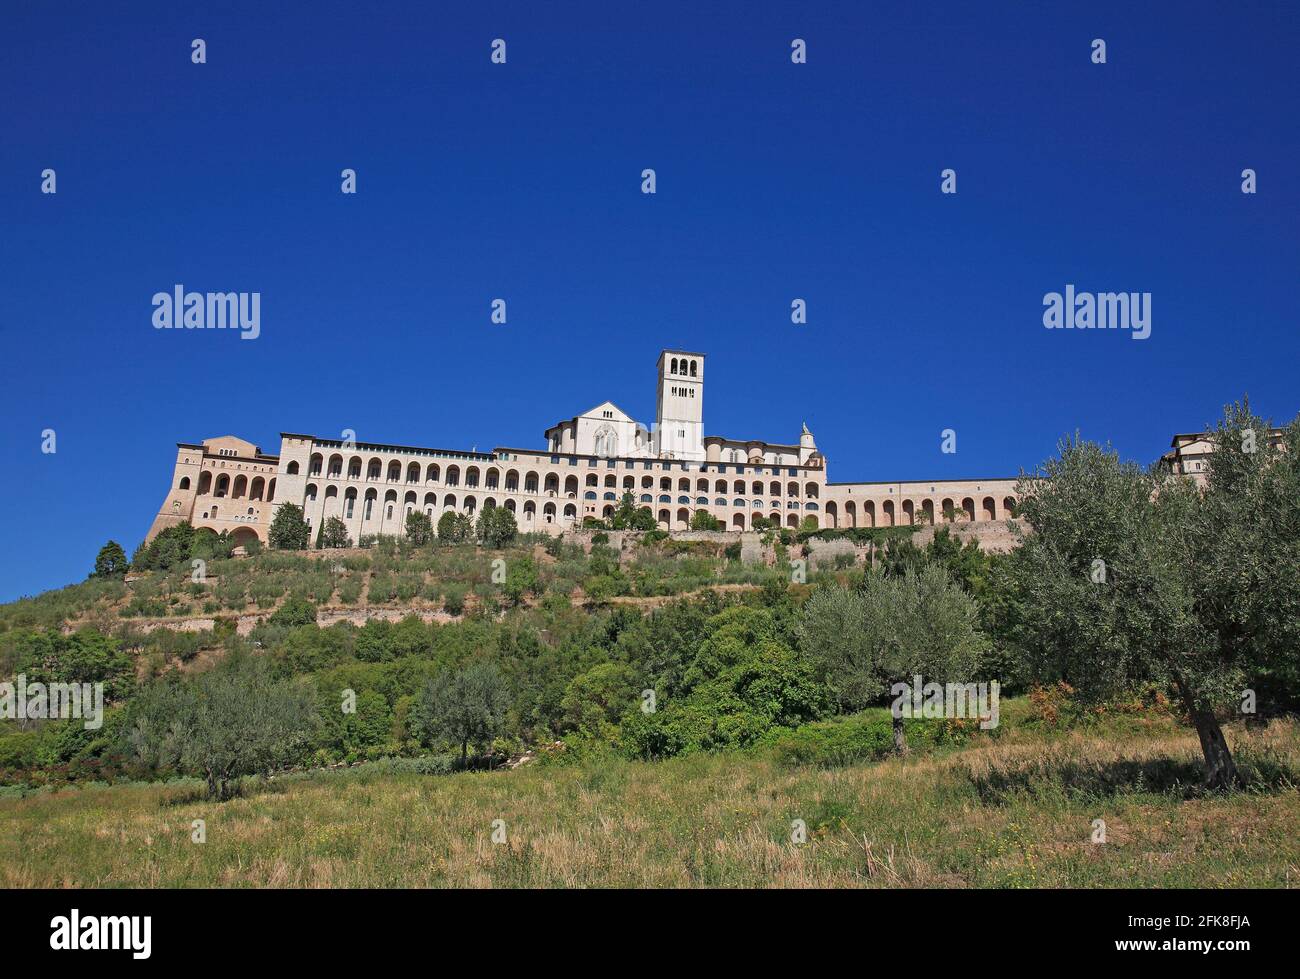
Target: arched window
[185, 483]
[293, 469]
[693, 374]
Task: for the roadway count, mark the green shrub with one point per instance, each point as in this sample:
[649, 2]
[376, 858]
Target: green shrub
[868, 736]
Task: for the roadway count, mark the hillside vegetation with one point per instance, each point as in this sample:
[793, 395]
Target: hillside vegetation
[1015, 811]
[1111, 701]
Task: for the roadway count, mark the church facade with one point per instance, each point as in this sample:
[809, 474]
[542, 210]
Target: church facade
[590, 461]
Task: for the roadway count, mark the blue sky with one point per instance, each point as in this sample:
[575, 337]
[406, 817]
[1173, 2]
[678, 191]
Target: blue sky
[522, 181]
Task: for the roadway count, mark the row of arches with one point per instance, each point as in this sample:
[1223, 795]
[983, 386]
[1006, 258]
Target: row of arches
[909, 512]
[510, 481]
[684, 367]
[389, 513]
[258, 488]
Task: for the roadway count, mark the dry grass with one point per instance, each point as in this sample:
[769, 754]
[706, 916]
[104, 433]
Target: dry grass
[1012, 812]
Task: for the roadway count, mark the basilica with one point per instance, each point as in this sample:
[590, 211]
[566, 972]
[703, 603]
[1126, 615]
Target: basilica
[669, 466]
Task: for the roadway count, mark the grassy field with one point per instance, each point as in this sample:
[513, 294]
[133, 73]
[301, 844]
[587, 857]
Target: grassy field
[1017, 811]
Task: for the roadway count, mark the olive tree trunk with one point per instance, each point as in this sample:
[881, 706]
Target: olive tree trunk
[1220, 769]
[900, 737]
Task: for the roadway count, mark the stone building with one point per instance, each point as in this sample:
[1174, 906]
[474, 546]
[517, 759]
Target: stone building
[590, 461]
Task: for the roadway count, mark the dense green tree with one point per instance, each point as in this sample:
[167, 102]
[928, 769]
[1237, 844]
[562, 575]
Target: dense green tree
[419, 528]
[893, 629]
[703, 520]
[595, 700]
[453, 528]
[180, 544]
[628, 516]
[496, 527]
[84, 656]
[294, 612]
[334, 533]
[466, 706]
[234, 720]
[110, 562]
[1133, 576]
[289, 528]
[521, 579]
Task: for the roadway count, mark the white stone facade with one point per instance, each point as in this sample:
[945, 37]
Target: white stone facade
[591, 460]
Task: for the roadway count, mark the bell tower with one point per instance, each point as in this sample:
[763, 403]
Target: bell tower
[679, 407]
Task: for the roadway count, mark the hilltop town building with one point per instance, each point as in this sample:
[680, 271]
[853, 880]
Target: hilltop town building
[589, 462]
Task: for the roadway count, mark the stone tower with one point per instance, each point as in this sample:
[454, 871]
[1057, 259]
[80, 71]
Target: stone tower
[679, 406]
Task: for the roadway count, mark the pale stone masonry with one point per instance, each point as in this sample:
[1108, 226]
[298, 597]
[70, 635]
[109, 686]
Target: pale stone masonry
[590, 461]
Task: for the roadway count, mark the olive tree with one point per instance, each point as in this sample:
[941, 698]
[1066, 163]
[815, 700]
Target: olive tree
[1134, 575]
[236, 719]
[466, 706]
[892, 630]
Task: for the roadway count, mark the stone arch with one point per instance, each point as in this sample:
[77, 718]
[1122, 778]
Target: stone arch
[243, 536]
[832, 514]
[989, 510]
[887, 514]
